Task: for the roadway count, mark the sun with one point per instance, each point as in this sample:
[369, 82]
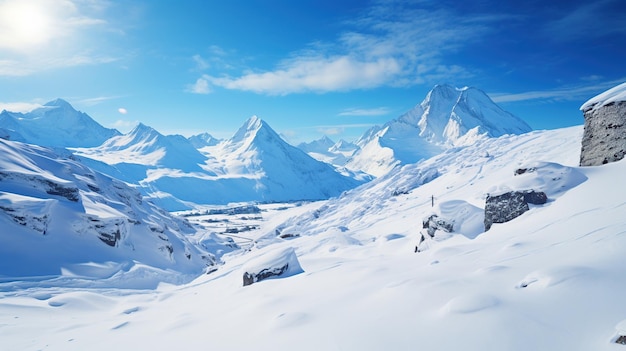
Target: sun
[24, 24]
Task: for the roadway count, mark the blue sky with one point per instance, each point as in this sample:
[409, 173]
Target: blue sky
[308, 68]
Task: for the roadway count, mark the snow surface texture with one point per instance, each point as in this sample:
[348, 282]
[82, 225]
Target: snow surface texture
[448, 117]
[256, 164]
[551, 279]
[62, 222]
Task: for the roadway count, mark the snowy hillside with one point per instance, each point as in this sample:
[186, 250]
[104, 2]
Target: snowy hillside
[61, 218]
[448, 117]
[551, 279]
[56, 124]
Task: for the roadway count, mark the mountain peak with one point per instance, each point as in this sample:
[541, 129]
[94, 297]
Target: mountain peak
[251, 128]
[59, 103]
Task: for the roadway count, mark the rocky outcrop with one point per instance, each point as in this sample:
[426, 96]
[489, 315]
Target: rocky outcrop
[505, 207]
[434, 223]
[275, 264]
[604, 138]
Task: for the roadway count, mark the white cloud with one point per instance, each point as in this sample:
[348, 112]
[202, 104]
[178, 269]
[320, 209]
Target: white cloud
[362, 112]
[394, 44]
[201, 64]
[19, 106]
[568, 93]
[122, 110]
[201, 86]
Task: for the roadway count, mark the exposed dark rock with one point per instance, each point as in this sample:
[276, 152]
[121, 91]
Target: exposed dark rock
[621, 340]
[250, 278]
[520, 171]
[505, 207]
[604, 138]
[535, 197]
[434, 223]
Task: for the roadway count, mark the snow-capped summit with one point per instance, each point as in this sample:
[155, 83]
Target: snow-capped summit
[321, 145]
[203, 139]
[146, 146]
[253, 129]
[448, 117]
[55, 124]
[270, 169]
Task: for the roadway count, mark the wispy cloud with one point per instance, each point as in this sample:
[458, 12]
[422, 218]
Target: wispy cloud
[96, 100]
[38, 35]
[392, 44]
[19, 106]
[568, 93]
[364, 112]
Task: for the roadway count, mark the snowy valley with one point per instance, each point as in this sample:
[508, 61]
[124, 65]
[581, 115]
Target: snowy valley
[385, 247]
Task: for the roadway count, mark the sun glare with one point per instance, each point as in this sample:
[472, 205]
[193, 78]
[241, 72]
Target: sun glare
[24, 24]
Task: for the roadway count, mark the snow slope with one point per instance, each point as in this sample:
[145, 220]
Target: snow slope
[55, 124]
[448, 117]
[63, 221]
[551, 279]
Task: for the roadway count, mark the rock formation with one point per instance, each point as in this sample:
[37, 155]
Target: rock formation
[505, 207]
[604, 138]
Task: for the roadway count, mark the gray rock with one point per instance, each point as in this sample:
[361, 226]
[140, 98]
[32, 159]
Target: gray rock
[604, 138]
[434, 223]
[251, 278]
[505, 207]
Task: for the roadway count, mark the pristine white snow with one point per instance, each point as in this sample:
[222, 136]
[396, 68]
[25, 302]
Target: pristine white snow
[615, 94]
[551, 279]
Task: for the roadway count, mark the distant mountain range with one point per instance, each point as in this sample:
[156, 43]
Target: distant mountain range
[256, 164]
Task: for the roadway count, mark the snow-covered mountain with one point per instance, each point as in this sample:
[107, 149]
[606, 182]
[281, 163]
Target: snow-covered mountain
[55, 124]
[320, 146]
[203, 139]
[147, 147]
[256, 164]
[328, 151]
[59, 217]
[448, 117]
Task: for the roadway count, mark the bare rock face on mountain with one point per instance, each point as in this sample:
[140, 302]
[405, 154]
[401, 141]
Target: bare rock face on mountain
[604, 139]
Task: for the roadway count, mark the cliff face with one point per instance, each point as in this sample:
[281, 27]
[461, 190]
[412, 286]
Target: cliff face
[604, 139]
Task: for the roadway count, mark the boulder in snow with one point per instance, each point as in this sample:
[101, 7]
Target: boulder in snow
[275, 264]
[510, 205]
